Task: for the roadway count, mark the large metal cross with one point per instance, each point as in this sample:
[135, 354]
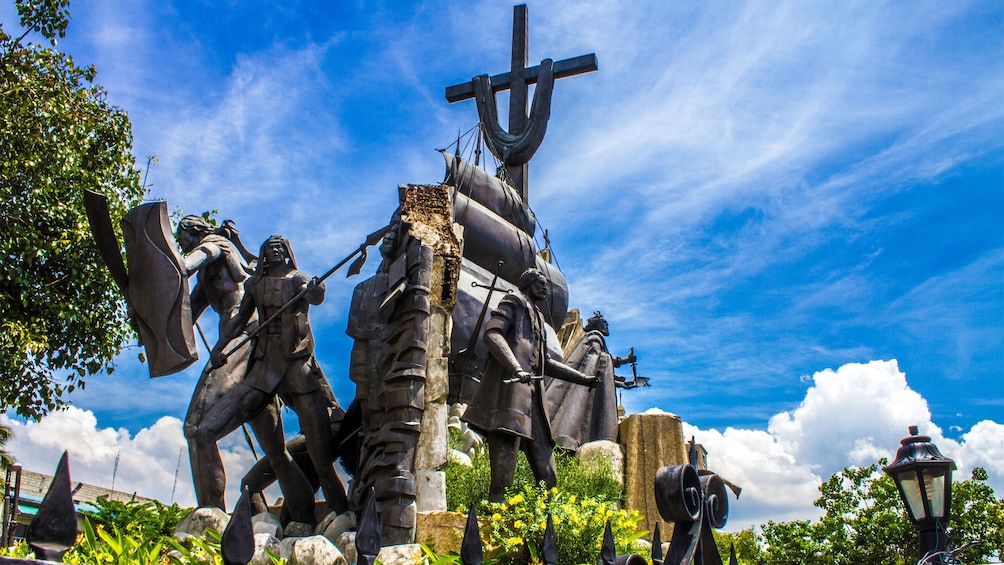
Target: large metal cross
[517, 82]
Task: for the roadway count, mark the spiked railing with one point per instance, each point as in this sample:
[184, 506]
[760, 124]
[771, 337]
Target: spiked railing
[472, 552]
[697, 502]
[237, 543]
[368, 532]
[54, 527]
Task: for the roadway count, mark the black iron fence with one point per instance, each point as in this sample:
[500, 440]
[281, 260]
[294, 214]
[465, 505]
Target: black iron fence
[695, 501]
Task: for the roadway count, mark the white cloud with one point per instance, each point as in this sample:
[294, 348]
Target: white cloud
[850, 417]
[147, 461]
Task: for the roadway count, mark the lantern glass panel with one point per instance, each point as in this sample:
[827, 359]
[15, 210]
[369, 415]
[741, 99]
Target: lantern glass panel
[934, 483]
[910, 484]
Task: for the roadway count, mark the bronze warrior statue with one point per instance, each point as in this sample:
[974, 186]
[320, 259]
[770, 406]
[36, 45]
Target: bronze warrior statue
[222, 268]
[282, 364]
[509, 407]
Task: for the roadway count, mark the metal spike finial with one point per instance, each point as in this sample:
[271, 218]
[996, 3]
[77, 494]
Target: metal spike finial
[608, 551]
[368, 540]
[550, 553]
[471, 552]
[656, 546]
[54, 528]
[237, 543]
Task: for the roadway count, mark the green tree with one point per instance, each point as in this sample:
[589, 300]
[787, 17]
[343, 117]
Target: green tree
[62, 317]
[6, 459]
[746, 543]
[977, 516]
[864, 521]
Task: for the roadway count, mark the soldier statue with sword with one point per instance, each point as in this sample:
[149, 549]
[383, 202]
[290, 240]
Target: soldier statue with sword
[508, 407]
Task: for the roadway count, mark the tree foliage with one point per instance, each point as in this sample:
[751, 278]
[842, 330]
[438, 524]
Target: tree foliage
[62, 317]
[864, 521]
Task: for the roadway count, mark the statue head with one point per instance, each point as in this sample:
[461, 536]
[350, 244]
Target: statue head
[597, 323]
[276, 250]
[390, 240]
[191, 230]
[533, 284]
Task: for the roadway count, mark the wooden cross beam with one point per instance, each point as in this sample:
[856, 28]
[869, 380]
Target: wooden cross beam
[517, 82]
[563, 68]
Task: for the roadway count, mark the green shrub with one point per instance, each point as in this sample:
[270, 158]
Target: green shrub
[147, 521]
[517, 526]
[466, 485]
[98, 546]
[585, 497]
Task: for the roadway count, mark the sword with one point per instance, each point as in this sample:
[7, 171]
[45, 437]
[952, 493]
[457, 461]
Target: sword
[465, 364]
[512, 380]
[371, 239]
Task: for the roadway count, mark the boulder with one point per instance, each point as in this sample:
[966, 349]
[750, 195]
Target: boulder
[261, 543]
[286, 547]
[443, 532]
[604, 449]
[266, 523]
[316, 550]
[460, 458]
[297, 530]
[346, 543]
[404, 554]
[199, 520]
[338, 526]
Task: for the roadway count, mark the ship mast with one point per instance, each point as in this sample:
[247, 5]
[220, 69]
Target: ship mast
[515, 147]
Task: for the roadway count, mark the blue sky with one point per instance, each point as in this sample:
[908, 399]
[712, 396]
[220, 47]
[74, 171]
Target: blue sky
[770, 201]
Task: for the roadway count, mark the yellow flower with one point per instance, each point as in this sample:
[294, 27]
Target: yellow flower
[496, 516]
[516, 500]
[518, 524]
[514, 541]
[571, 499]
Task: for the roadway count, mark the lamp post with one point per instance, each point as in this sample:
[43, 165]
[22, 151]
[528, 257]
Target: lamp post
[924, 479]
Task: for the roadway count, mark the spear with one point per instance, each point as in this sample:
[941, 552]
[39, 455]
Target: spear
[371, 239]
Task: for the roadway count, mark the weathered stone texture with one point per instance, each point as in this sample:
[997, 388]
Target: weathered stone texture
[404, 554]
[441, 531]
[651, 441]
[316, 550]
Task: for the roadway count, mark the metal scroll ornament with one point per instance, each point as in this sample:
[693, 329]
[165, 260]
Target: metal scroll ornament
[697, 503]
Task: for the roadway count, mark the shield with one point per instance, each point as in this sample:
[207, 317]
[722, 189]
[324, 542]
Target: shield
[158, 290]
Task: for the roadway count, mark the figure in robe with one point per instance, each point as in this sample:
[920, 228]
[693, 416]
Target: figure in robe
[581, 414]
[508, 407]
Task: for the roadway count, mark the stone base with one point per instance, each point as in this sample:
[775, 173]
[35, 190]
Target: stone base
[651, 441]
[442, 532]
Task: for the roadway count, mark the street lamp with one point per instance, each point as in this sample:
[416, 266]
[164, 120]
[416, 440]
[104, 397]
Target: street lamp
[924, 479]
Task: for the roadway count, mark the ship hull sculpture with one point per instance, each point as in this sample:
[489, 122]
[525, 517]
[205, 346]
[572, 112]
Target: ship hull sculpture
[497, 227]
